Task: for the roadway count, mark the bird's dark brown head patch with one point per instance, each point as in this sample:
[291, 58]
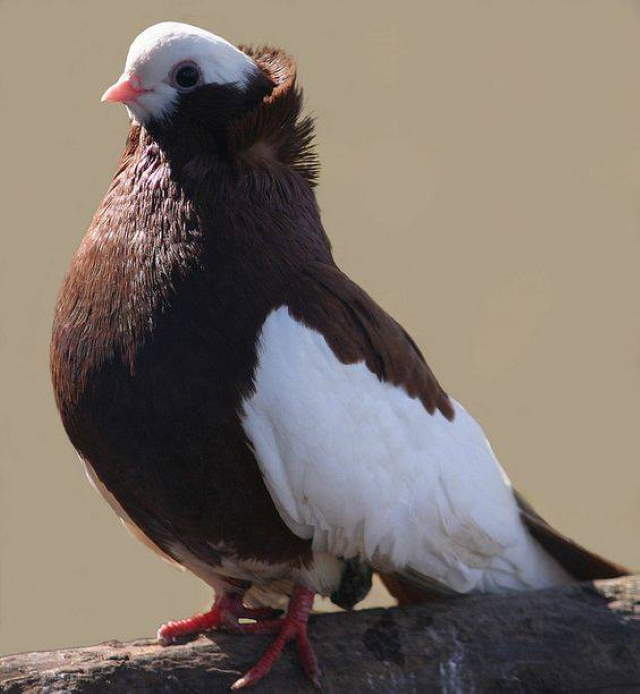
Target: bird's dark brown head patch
[274, 132]
[255, 124]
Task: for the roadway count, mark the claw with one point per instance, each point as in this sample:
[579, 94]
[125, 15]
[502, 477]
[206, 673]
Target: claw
[224, 614]
[292, 626]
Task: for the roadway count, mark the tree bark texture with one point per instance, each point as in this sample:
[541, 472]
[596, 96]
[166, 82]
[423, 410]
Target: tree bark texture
[580, 638]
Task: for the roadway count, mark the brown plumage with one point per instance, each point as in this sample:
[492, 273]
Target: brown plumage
[146, 323]
[209, 225]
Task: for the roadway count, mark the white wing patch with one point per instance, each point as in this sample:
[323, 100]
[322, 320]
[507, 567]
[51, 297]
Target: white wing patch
[363, 469]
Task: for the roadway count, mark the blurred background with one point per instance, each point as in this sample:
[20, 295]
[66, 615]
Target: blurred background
[481, 175]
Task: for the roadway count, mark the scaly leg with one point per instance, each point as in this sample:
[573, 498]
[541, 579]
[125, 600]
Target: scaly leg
[224, 614]
[293, 625]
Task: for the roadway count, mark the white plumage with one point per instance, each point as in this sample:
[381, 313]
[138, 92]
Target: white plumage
[160, 48]
[363, 469]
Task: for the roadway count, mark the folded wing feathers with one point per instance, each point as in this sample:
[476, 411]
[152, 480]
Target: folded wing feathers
[365, 470]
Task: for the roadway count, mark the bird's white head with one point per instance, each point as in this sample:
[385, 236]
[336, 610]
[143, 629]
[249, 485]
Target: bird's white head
[170, 59]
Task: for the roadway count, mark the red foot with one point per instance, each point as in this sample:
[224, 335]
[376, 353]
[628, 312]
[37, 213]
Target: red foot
[293, 625]
[224, 614]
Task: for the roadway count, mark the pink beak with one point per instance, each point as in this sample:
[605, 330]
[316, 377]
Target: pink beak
[124, 91]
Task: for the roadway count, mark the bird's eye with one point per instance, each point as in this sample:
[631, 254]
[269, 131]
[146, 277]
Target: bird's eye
[186, 75]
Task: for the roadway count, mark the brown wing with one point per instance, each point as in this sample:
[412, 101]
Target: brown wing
[357, 329]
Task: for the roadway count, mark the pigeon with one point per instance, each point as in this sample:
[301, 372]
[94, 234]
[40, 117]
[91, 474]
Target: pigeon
[248, 410]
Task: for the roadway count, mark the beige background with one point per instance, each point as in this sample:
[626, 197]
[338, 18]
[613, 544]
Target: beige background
[481, 179]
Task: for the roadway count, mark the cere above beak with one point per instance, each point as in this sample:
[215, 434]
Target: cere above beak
[124, 91]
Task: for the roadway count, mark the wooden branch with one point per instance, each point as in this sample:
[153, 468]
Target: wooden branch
[579, 638]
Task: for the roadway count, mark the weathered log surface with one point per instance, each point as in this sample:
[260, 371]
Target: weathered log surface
[582, 638]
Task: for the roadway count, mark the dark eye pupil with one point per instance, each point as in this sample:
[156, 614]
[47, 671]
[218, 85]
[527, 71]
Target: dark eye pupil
[187, 76]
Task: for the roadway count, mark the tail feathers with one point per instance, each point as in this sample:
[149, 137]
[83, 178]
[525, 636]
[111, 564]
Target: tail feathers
[410, 587]
[579, 562]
